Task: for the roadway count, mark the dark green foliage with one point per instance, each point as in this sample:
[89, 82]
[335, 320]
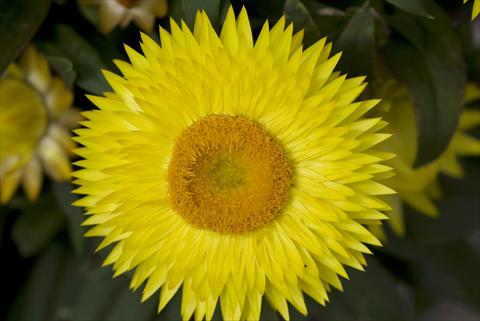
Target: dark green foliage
[65, 44]
[19, 20]
[428, 58]
[415, 7]
[357, 41]
[51, 271]
[37, 225]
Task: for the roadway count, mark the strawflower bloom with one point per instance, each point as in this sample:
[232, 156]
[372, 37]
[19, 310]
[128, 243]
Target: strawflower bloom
[36, 116]
[114, 13]
[476, 8]
[418, 186]
[233, 169]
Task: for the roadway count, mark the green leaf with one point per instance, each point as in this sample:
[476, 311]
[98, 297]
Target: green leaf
[66, 43]
[357, 42]
[65, 198]
[19, 20]
[429, 61]
[41, 284]
[91, 13]
[63, 67]
[37, 226]
[68, 287]
[211, 7]
[71, 278]
[330, 21]
[95, 296]
[296, 12]
[415, 7]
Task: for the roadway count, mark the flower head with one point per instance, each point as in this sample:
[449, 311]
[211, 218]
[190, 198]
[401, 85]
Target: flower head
[122, 12]
[233, 169]
[36, 116]
[418, 186]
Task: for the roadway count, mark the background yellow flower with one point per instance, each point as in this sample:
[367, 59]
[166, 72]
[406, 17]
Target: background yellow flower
[121, 12]
[36, 116]
[418, 186]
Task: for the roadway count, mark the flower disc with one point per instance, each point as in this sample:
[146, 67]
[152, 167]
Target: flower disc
[228, 175]
[232, 169]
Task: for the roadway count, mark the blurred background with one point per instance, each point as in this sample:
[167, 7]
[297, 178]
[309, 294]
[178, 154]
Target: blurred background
[51, 272]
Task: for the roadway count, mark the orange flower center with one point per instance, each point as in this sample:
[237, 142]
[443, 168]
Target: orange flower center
[228, 175]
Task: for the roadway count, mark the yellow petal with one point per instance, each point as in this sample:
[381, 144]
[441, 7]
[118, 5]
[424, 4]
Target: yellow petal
[476, 9]
[32, 178]
[111, 13]
[58, 98]
[159, 8]
[36, 69]
[421, 202]
[228, 35]
[54, 159]
[8, 185]
[243, 27]
[63, 137]
[143, 19]
[396, 214]
[71, 118]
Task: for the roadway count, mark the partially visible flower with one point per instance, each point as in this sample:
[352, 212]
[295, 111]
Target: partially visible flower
[418, 187]
[476, 8]
[122, 12]
[462, 144]
[35, 122]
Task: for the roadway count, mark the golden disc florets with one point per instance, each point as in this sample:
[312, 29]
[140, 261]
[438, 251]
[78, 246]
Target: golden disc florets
[227, 174]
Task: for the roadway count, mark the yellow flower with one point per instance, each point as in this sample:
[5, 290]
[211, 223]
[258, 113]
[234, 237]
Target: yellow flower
[122, 12]
[418, 187]
[233, 168]
[35, 122]
[476, 8]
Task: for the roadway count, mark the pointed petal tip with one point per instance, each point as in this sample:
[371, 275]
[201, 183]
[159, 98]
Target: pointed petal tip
[106, 263]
